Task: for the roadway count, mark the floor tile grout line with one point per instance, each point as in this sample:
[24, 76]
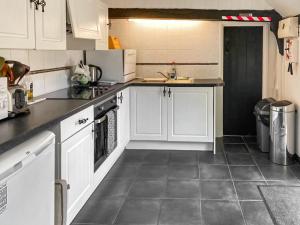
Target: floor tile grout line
[125, 198]
[237, 197]
[258, 167]
[159, 213]
[289, 168]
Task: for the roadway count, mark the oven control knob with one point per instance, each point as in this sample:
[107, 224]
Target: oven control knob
[113, 101]
[101, 108]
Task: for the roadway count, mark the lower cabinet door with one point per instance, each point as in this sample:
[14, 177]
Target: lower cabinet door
[123, 118]
[190, 114]
[77, 169]
[148, 113]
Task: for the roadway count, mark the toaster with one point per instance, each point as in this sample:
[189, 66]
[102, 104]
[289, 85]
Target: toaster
[17, 101]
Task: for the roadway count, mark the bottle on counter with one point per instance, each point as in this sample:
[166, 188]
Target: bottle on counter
[30, 92]
[28, 85]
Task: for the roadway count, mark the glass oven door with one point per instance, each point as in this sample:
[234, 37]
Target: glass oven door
[100, 152]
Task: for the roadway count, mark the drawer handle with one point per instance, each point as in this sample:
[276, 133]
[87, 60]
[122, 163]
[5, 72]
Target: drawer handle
[82, 121]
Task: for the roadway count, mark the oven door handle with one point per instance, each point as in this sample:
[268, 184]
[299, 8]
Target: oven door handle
[101, 120]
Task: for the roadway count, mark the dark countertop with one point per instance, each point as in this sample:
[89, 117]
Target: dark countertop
[194, 83]
[47, 113]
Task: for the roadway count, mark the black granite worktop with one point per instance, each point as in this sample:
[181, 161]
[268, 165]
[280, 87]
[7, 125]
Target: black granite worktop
[48, 113]
[193, 83]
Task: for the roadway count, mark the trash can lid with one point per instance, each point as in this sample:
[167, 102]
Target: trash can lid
[283, 106]
[263, 106]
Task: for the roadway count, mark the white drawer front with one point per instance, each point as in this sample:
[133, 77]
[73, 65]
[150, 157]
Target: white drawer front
[76, 122]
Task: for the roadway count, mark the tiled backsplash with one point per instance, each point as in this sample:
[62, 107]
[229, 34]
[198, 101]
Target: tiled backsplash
[190, 42]
[194, 71]
[38, 60]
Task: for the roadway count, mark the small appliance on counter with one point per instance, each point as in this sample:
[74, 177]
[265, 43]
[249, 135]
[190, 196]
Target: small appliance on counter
[96, 74]
[12, 73]
[117, 65]
[17, 101]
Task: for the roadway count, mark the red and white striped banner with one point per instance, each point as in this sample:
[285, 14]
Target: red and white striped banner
[247, 18]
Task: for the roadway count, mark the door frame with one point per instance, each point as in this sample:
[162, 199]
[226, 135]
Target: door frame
[265, 69]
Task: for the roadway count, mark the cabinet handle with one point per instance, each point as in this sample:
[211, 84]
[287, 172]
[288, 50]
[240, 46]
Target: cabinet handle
[82, 121]
[109, 25]
[169, 92]
[121, 98]
[43, 4]
[36, 4]
[165, 91]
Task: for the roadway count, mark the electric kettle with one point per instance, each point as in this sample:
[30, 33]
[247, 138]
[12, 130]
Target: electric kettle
[95, 73]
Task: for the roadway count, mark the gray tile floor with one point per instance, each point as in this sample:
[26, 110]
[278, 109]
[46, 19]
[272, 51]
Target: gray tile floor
[187, 188]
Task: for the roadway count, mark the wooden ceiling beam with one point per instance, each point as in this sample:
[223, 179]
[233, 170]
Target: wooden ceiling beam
[196, 14]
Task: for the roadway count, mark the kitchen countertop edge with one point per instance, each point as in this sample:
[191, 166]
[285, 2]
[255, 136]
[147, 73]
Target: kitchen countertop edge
[9, 143]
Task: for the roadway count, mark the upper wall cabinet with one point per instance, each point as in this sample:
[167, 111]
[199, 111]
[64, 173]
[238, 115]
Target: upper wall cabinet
[33, 24]
[89, 19]
[51, 25]
[17, 24]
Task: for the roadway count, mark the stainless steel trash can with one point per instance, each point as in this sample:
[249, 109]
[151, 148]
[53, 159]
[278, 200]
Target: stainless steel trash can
[282, 132]
[262, 114]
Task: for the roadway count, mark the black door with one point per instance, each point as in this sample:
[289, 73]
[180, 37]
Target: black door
[243, 50]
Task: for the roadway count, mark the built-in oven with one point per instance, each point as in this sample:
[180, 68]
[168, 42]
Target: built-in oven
[105, 130]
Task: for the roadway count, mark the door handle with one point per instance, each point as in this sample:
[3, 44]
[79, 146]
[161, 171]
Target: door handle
[169, 92]
[15, 168]
[165, 91]
[101, 120]
[36, 4]
[43, 4]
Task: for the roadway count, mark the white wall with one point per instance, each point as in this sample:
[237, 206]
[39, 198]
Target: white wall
[291, 92]
[286, 7]
[197, 42]
[190, 4]
[45, 82]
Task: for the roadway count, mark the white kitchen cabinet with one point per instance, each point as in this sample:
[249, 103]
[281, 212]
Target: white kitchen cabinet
[30, 28]
[17, 24]
[148, 114]
[180, 114]
[102, 43]
[123, 118]
[190, 114]
[77, 169]
[51, 25]
[89, 19]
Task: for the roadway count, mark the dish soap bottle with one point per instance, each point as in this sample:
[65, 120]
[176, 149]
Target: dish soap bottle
[30, 92]
[28, 85]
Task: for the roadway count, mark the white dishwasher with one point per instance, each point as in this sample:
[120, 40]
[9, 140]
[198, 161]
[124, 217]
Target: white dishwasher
[27, 179]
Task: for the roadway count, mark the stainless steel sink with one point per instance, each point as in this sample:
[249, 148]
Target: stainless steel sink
[155, 80]
[181, 80]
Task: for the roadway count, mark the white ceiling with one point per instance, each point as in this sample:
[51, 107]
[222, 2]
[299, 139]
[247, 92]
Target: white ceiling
[286, 7]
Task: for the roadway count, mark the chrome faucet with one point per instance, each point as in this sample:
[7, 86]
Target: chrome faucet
[164, 75]
[173, 74]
